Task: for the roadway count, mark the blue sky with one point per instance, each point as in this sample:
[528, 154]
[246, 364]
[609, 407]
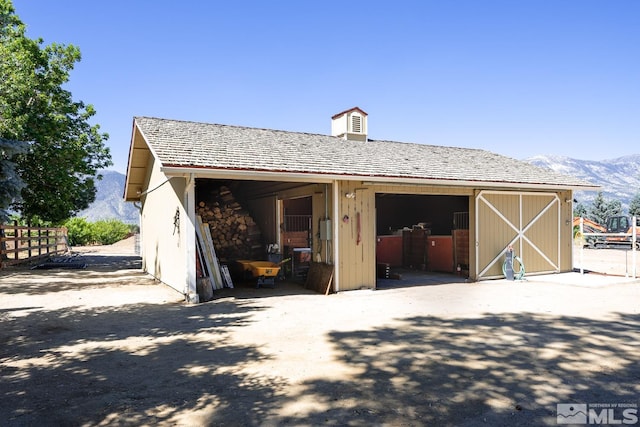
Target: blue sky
[519, 78]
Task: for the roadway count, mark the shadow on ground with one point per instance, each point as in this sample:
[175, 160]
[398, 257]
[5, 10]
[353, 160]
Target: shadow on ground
[100, 270]
[120, 366]
[508, 369]
[154, 364]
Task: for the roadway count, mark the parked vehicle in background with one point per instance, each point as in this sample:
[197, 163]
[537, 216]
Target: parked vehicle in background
[588, 227]
[623, 226]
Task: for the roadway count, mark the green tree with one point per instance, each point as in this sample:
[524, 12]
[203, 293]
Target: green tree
[614, 207]
[10, 182]
[601, 209]
[580, 210]
[65, 151]
[597, 210]
[634, 206]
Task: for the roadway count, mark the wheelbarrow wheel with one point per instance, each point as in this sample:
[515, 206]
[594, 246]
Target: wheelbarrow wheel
[266, 281]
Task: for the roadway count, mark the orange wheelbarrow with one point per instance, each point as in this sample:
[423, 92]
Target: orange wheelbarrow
[264, 271]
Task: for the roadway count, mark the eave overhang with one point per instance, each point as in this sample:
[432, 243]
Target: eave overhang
[311, 177]
[139, 155]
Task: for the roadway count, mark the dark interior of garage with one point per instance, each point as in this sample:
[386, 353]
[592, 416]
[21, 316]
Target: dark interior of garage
[420, 235]
[238, 236]
[396, 211]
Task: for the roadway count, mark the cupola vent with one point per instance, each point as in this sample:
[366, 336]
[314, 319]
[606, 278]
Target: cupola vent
[350, 125]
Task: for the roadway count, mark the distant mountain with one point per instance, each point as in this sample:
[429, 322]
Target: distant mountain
[109, 203]
[619, 178]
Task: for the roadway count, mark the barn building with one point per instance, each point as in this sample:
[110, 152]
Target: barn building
[343, 200]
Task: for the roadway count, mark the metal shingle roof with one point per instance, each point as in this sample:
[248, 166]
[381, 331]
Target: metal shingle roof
[205, 145]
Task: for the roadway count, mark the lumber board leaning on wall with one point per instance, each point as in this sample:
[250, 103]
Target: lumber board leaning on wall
[211, 261]
[320, 277]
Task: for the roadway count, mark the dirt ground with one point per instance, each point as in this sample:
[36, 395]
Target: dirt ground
[106, 345]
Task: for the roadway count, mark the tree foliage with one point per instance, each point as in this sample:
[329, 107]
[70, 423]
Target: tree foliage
[580, 210]
[601, 209]
[634, 206]
[65, 151]
[10, 182]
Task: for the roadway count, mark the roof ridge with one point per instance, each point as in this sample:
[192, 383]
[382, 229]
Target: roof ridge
[188, 143]
[288, 132]
[235, 126]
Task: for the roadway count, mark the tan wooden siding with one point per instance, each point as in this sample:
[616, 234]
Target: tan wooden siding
[540, 248]
[356, 237]
[533, 223]
[493, 234]
[566, 230]
[322, 206]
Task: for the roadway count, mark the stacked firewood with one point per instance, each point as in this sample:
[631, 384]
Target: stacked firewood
[234, 232]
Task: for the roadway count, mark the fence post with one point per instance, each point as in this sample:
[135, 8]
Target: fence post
[30, 251]
[582, 245]
[634, 240]
[64, 231]
[16, 239]
[39, 240]
[3, 247]
[23, 240]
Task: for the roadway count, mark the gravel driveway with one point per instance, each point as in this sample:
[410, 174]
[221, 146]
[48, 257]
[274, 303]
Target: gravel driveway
[108, 346]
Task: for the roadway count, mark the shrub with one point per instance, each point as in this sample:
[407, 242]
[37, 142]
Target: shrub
[104, 232]
[79, 231]
[107, 232]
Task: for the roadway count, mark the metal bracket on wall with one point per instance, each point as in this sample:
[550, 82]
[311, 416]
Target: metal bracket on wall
[176, 221]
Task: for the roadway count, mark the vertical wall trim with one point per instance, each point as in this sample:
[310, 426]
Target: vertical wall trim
[190, 239]
[559, 258]
[478, 199]
[335, 237]
[520, 225]
[277, 208]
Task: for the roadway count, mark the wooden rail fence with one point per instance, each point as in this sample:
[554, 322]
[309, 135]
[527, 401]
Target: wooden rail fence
[20, 243]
